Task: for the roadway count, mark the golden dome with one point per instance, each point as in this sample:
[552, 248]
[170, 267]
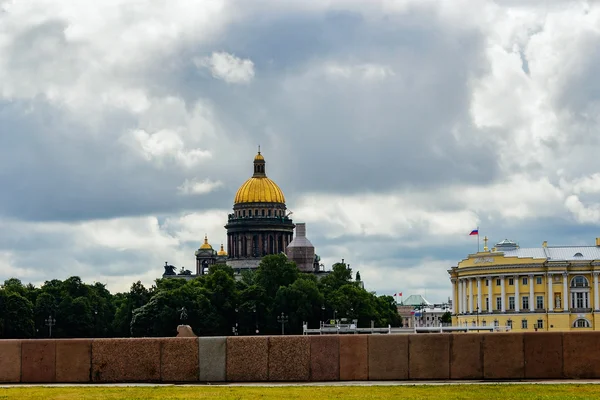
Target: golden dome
[222, 252]
[206, 246]
[259, 188]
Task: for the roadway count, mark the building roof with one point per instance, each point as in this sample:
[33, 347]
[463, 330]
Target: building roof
[557, 253]
[415, 300]
[206, 245]
[259, 188]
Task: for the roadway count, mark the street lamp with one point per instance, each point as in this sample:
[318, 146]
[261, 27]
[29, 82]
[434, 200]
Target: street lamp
[255, 318]
[50, 322]
[235, 328]
[282, 319]
[323, 313]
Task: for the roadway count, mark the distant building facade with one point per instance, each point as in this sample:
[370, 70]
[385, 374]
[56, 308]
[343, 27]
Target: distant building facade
[417, 311]
[547, 288]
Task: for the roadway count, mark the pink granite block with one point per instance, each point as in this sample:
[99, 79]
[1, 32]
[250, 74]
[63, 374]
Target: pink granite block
[503, 356]
[325, 358]
[429, 356]
[388, 357]
[179, 359]
[543, 355]
[10, 361]
[289, 358]
[354, 361]
[248, 358]
[73, 360]
[466, 358]
[581, 355]
[38, 360]
[126, 360]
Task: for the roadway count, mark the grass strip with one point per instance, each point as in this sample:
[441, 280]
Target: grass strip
[450, 392]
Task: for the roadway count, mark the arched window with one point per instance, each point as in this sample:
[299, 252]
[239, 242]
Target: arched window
[581, 323]
[579, 282]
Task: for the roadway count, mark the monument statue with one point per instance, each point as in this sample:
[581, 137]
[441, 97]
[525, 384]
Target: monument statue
[184, 271]
[169, 269]
[557, 301]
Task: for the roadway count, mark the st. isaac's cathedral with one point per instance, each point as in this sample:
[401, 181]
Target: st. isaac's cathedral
[259, 225]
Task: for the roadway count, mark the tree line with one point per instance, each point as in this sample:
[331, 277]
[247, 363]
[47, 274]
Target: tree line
[212, 304]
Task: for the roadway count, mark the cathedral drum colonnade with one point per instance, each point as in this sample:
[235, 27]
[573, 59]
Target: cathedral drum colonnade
[259, 224]
[549, 288]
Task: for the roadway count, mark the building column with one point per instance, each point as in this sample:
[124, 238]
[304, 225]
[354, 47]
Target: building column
[565, 294]
[479, 296]
[531, 294]
[517, 294]
[596, 294]
[490, 298]
[502, 294]
[454, 301]
[459, 296]
[550, 295]
[465, 303]
[471, 297]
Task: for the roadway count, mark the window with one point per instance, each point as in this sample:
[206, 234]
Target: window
[487, 303]
[511, 281]
[256, 213]
[473, 323]
[538, 280]
[263, 212]
[580, 300]
[509, 323]
[511, 302]
[498, 282]
[487, 282]
[579, 281]
[496, 323]
[524, 324]
[525, 302]
[244, 213]
[581, 323]
[498, 303]
[539, 302]
[540, 324]
[269, 213]
[525, 281]
[483, 323]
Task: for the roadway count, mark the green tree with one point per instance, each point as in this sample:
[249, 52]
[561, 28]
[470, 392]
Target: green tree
[447, 317]
[16, 315]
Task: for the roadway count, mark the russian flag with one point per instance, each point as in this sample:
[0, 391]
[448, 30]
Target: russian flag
[474, 232]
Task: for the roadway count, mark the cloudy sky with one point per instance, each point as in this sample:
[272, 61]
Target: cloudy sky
[394, 127]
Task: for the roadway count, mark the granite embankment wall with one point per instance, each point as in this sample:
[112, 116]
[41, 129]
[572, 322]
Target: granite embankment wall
[492, 356]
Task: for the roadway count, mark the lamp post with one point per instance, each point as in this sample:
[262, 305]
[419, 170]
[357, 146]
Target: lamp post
[282, 319]
[255, 318]
[235, 328]
[323, 314]
[50, 322]
[477, 313]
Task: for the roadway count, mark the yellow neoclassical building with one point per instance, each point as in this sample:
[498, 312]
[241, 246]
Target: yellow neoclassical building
[547, 288]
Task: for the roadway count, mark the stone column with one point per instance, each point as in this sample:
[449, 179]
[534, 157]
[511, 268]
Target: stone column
[459, 296]
[596, 294]
[503, 294]
[479, 293]
[464, 296]
[454, 300]
[471, 297]
[531, 294]
[565, 294]
[550, 295]
[517, 294]
[490, 297]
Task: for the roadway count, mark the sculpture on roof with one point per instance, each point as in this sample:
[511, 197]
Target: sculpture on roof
[169, 269]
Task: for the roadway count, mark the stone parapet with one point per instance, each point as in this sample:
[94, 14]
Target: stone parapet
[456, 356]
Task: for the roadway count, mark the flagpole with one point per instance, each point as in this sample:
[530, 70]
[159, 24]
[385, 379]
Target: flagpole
[478, 239]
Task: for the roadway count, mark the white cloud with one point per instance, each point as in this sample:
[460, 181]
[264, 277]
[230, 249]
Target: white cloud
[195, 187]
[367, 71]
[165, 146]
[228, 67]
